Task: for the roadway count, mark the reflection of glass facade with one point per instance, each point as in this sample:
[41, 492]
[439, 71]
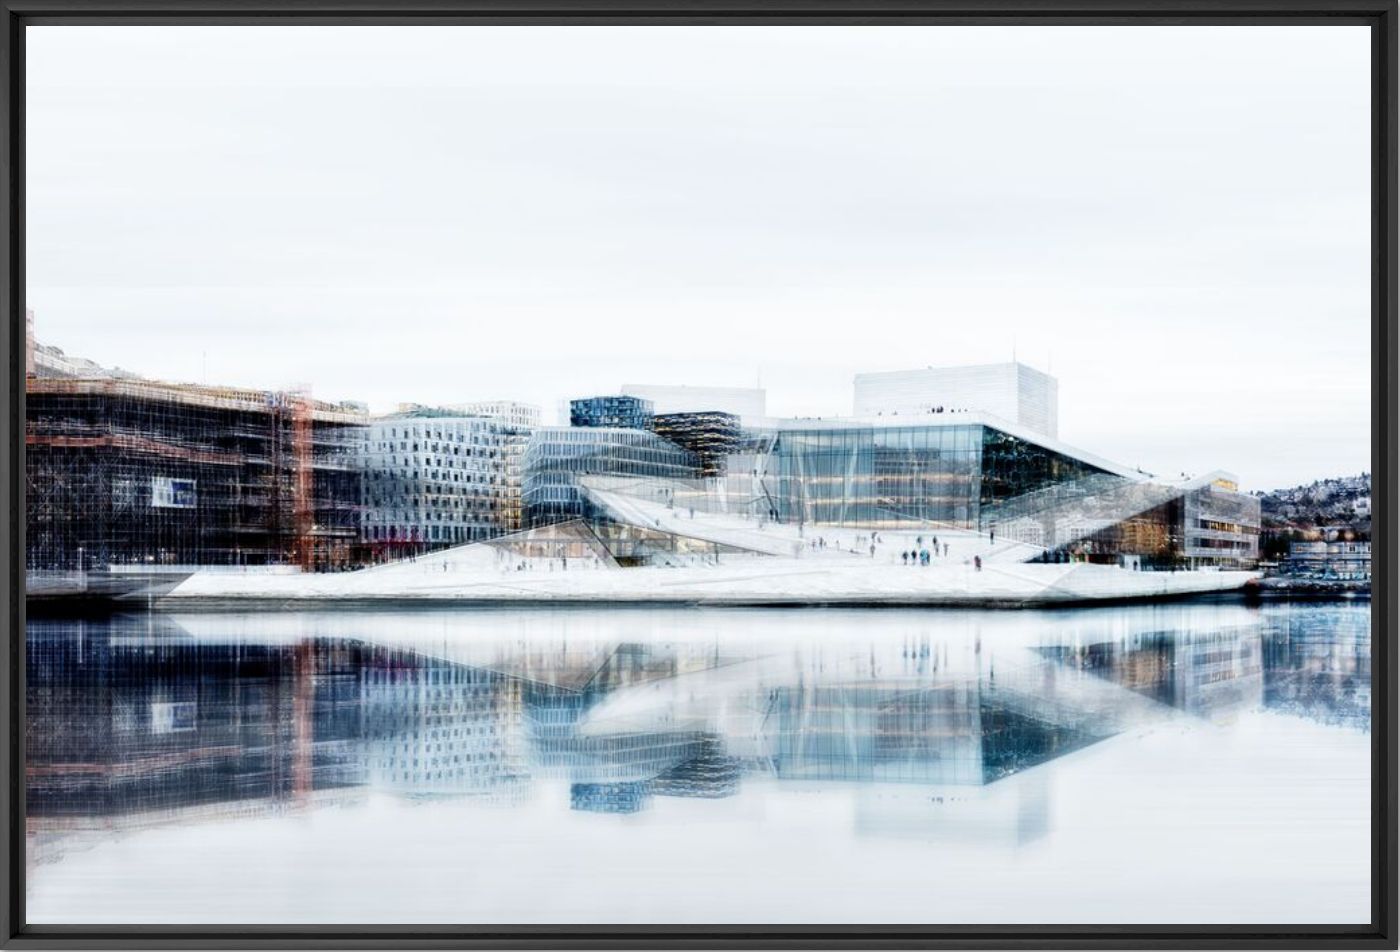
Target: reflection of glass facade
[556, 456]
[885, 476]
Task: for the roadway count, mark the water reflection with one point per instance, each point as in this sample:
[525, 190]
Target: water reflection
[137, 720]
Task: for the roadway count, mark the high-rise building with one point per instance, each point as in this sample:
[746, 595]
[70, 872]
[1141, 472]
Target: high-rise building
[1012, 391]
[631, 413]
[436, 478]
[750, 404]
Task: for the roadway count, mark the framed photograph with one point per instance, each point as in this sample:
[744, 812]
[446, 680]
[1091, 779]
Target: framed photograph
[610, 474]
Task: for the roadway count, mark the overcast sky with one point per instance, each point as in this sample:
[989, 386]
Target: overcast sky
[1173, 221]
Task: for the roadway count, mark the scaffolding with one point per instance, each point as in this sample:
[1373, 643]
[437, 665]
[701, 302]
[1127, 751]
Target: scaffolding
[122, 472]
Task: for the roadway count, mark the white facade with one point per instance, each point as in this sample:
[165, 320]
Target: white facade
[1011, 391]
[508, 411]
[748, 403]
[438, 480]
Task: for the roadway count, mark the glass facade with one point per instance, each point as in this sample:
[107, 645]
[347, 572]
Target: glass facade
[433, 480]
[876, 476]
[633, 413]
[1013, 467]
[890, 476]
[556, 456]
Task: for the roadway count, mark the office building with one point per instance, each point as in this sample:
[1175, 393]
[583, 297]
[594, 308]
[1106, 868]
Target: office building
[631, 413]
[434, 478]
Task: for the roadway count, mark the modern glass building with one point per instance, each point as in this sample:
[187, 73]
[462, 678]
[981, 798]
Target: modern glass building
[633, 413]
[557, 455]
[974, 472]
[872, 475]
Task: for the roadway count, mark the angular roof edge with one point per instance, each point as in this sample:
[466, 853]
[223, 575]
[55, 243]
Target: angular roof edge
[961, 418]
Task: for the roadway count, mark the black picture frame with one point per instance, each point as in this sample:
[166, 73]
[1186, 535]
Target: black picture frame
[1379, 15]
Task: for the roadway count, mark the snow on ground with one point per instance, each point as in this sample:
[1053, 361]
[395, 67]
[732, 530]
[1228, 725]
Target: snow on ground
[747, 580]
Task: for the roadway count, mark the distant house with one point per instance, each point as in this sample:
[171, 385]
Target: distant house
[1336, 559]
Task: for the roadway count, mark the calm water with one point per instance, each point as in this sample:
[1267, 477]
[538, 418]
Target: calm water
[1193, 762]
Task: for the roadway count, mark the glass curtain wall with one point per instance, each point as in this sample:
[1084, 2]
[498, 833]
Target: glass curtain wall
[877, 476]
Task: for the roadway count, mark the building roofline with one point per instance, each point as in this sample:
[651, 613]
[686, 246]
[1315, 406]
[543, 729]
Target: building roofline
[945, 367]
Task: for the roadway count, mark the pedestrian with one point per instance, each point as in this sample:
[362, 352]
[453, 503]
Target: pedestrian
[992, 537]
[977, 562]
[905, 557]
[872, 550]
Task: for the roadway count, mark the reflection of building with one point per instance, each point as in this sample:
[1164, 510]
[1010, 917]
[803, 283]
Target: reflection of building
[710, 435]
[435, 728]
[1317, 664]
[121, 726]
[1014, 392]
[961, 732]
[1212, 675]
[608, 797]
[142, 473]
[747, 403]
[632, 413]
[710, 774]
[556, 456]
[433, 478]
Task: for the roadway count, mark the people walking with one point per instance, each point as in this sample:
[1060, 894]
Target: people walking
[977, 562]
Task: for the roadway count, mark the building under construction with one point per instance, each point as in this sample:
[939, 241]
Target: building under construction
[123, 472]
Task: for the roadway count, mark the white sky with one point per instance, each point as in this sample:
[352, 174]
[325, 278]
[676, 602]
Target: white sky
[1174, 221]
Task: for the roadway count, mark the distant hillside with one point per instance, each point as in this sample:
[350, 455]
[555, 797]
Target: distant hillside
[1343, 502]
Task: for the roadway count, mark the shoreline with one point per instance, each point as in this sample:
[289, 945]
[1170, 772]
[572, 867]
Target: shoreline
[60, 606]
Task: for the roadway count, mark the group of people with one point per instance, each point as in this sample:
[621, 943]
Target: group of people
[922, 556]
